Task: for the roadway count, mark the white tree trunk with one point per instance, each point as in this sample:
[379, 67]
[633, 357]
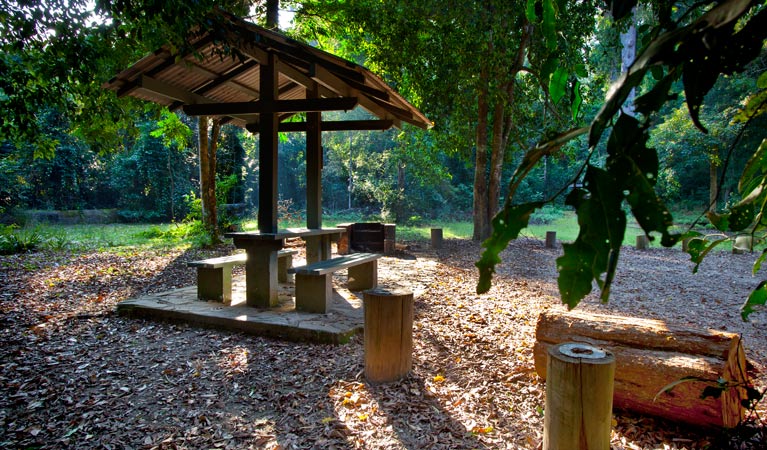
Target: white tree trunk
[628, 54]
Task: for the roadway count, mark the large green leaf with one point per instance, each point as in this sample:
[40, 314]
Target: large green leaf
[757, 298]
[549, 23]
[635, 166]
[699, 247]
[506, 226]
[575, 107]
[558, 84]
[595, 251]
[530, 13]
[671, 47]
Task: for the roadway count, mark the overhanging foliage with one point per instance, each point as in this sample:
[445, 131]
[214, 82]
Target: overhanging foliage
[710, 40]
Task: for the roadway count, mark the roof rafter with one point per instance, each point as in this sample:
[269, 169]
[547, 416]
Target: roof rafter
[277, 106]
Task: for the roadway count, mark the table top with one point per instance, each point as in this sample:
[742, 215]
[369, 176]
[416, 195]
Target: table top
[282, 234]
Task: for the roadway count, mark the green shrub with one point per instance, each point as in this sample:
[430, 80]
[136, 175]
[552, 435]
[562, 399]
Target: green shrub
[546, 215]
[13, 241]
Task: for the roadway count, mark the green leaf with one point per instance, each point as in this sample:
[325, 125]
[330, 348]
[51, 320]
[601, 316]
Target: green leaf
[575, 278]
[757, 298]
[759, 261]
[657, 96]
[635, 168]
[761, 82]
[575, 108]
[548, 68]
[754, 173]
[580, 70]
[672, 385]
[558, 84]
[740, 217]
[530, 14]
[698, 248]
[506, 226]
[549, 24]
[595, 251]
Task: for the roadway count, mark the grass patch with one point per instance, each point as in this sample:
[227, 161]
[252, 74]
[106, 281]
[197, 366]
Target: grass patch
[102, 237]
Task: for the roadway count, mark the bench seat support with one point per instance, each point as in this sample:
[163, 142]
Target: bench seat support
[314, 282]
[214, 275]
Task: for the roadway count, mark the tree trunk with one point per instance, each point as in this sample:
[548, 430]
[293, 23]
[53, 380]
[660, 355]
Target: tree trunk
[208, 176]
[272, 14]
[650, 355]
[400, 212]
[713, 180]
[628, 54]
[497, 152]
[481, 222]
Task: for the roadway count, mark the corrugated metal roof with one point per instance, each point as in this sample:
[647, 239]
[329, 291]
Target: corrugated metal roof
[213, 75]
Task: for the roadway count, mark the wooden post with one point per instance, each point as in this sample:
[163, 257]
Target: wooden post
[388, 334]
[343, 245]
[390, 238]
[551, 239]
[268, 126]
[643, 242]
[313, 164]
[436, 238]
[579, 398]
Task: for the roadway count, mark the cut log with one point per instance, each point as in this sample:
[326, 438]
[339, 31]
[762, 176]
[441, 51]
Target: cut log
[643, 242]
[650, 355]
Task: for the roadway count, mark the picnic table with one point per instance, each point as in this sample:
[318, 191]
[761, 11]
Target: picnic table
[261, 265]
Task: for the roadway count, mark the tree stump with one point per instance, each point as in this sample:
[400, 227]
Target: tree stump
[551, 239]
[579, 398]
[643, 242]
[436, 238]
[388, 334]
[650, 355]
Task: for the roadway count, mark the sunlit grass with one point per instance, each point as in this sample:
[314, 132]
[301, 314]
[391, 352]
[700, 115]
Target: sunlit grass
[112, 236]
[120, 237]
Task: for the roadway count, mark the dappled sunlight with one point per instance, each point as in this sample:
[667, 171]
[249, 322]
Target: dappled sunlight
[233, 360]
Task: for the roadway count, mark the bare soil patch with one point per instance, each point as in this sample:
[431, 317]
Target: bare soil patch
[75, 375]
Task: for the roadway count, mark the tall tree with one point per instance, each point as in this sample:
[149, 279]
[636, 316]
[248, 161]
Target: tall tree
[464, 64]
[696, 45]
[207, 138]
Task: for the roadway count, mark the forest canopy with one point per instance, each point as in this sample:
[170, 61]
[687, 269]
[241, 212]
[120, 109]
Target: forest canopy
[535, 103]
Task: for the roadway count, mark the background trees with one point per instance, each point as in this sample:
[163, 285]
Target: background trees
[487, 73]
[496, 77]
[688, 52]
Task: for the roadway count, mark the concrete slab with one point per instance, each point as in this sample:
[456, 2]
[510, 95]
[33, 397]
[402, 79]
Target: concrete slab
[344, 319]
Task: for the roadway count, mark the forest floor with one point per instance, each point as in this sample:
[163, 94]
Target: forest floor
[73, 374]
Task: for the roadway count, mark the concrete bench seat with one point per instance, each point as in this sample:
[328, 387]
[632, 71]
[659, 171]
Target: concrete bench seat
[214, 275]
[314, 287]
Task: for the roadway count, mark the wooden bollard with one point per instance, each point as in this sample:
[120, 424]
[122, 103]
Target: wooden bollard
[551, 239]
[342, 245]
[390, 238]
[436, 238]
[643, 242]
[388, 334]
[579, 398]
